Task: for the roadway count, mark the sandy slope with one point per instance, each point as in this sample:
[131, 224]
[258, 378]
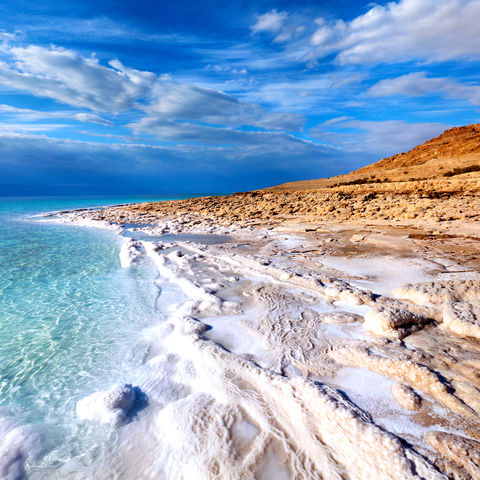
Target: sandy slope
[447, 155]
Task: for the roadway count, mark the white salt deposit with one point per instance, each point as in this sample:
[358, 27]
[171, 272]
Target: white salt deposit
[111, 406]
[393, 322]
[462, 318]
[17, 444]
[380, 273]
[130, 253]
[77, 220]
[229, 374]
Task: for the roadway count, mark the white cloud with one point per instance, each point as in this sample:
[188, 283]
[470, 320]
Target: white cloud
[312, 93]
[92, 118]
[123, 138]
[30, 115]
[429, 30]
[341, 119]
[382, 138]
[184, 112]
[70, 78]
[285, 27]
[31, 127]
[269, 22]
[418, 84]
[188, 102]
[183, 132]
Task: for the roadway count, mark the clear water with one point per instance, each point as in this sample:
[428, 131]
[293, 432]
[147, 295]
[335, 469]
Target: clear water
[70, 321]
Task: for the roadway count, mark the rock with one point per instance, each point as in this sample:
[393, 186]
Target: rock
[110, 407]
[357, 238]
[462, 318]
[460, 450]
[406, 396]
[393, 322]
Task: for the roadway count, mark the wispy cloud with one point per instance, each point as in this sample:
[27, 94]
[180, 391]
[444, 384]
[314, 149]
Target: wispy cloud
[271, 22]
[69, 78]
[189, 103]
[172, 110]
[29, 114]
[380, 138]
[418, 84]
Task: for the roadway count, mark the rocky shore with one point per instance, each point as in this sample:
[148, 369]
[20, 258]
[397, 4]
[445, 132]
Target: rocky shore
[411, 203]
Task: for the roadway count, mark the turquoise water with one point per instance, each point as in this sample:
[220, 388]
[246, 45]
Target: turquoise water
[70, 323]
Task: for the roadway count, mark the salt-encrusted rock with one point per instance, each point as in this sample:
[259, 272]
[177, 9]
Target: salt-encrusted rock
[130, 252]
[17, 444]
[462, 318]
[439, 292]
[175, 254]
[189, 325]
[463, 451]
[393, 322]
[357, 237]
[110, 407]
[406, 396]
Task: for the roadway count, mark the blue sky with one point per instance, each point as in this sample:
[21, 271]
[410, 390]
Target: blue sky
[178, 97]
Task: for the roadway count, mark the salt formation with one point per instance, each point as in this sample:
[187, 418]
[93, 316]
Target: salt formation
[265, 368]
[393, 322]
[462, 318]
[306, 422]
[130, 252]
[406, 396]
[463, 452]
[340, 317]
[297, 421]
[17, 444]
[111, 406]
[439, 292]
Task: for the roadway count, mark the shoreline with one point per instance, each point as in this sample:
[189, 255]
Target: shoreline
[298, 313]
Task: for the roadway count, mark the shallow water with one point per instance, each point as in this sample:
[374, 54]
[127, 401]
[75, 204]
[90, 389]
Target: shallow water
[70, 322]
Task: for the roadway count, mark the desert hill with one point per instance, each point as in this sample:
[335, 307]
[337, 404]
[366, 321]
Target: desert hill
[454, 152]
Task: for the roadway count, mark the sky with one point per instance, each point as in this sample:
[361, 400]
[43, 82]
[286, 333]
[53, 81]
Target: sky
[165, 97]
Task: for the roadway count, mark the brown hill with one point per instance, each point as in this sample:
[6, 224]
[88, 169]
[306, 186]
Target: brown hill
[456, 151]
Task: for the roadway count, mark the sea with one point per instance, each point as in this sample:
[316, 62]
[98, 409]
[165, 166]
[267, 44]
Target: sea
[70, 324]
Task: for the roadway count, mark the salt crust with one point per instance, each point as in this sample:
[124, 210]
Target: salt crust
[17, 444]
[111, 406]
[393, 322]
[462, 318]
[311, 427]
[406, 396]
[439, 292]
